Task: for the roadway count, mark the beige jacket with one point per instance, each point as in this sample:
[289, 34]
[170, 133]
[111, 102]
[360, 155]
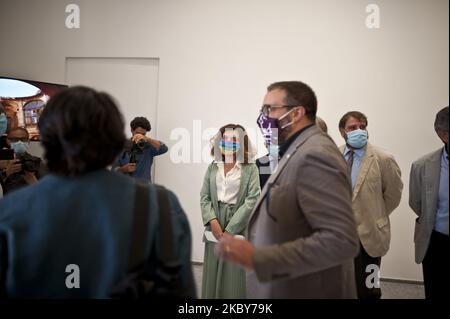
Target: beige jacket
[303, 226]
[377, 192]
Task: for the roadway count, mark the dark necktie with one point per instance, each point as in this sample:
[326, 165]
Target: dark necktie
[350, 160]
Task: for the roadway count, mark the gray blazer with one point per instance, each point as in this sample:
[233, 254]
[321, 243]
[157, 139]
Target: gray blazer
[303, 226]
[423, 197]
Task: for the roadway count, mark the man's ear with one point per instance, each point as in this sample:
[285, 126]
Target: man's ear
[443, 136]
[342, 131]
[299, 113]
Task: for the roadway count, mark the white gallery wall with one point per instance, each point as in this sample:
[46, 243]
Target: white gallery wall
[216, 58]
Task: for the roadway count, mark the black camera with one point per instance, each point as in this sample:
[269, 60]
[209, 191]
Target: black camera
[30, 163]
[141, 144]
[6, 154]
[136, 151]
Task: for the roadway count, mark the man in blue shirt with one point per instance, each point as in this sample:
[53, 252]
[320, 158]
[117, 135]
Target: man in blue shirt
[428, 198]
[137, 158]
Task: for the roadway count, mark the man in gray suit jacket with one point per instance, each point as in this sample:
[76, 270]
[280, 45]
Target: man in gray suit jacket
[428, 198]
[302, 233]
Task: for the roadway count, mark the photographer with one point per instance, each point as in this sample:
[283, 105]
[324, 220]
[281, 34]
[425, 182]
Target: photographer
[137, 158]
[25, 169]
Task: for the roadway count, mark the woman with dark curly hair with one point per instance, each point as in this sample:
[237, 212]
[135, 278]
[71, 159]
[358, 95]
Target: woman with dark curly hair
[78, 219]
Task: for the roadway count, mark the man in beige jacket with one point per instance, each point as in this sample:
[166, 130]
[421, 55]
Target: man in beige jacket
[377, 189]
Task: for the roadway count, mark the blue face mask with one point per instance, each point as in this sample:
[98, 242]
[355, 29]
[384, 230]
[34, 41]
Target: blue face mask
[357, 138]
[3, 123]
[19, 147]
[229, 147]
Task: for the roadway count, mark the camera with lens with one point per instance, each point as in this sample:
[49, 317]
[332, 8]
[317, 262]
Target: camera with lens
[141, 144]
[136, 150]
[29, 163]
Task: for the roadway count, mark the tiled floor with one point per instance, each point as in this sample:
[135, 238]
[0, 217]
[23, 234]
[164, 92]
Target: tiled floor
[390, 290]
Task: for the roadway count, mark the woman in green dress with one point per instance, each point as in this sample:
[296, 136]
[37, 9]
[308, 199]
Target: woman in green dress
[229, 193]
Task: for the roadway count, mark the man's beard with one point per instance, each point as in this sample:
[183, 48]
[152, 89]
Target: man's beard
[284, 135]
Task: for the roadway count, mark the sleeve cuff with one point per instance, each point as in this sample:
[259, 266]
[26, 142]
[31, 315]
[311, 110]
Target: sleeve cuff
[208, 219]
[263, 267]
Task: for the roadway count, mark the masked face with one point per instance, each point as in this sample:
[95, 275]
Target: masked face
[276, 120]
[20, 147]
[230, 145]
[269, 129]
[275, 130]
[3, 123]
[355, 132]
[357, 138]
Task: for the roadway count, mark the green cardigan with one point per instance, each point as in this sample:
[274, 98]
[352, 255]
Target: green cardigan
[249, 192]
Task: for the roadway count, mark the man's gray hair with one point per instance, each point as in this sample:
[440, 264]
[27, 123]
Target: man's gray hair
[441, 121]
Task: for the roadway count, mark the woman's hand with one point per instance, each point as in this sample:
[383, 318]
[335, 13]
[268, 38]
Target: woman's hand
[216, 228]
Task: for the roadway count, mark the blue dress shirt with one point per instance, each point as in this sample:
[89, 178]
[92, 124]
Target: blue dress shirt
[357, 159]
[441, 222]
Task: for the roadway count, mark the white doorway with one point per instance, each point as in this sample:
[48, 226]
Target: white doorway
[133, 82]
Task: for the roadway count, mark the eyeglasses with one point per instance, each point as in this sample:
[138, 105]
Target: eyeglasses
[267, 108]
[355, 127]
[16, 139]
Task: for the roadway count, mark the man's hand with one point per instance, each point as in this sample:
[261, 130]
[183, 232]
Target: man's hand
[4, 164]
[235, 250]
[30, 178]
[13, 167]
[128, 168]
[137, 137]
[216, 229]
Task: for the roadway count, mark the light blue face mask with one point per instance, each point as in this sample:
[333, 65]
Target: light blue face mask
[357, 138]
[19, 147]
[229, 147]
[3, 123]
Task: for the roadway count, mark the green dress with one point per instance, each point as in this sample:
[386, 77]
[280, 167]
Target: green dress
[222, 279]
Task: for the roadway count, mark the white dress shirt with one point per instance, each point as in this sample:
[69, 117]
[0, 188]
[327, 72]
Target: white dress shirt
[228, 186]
